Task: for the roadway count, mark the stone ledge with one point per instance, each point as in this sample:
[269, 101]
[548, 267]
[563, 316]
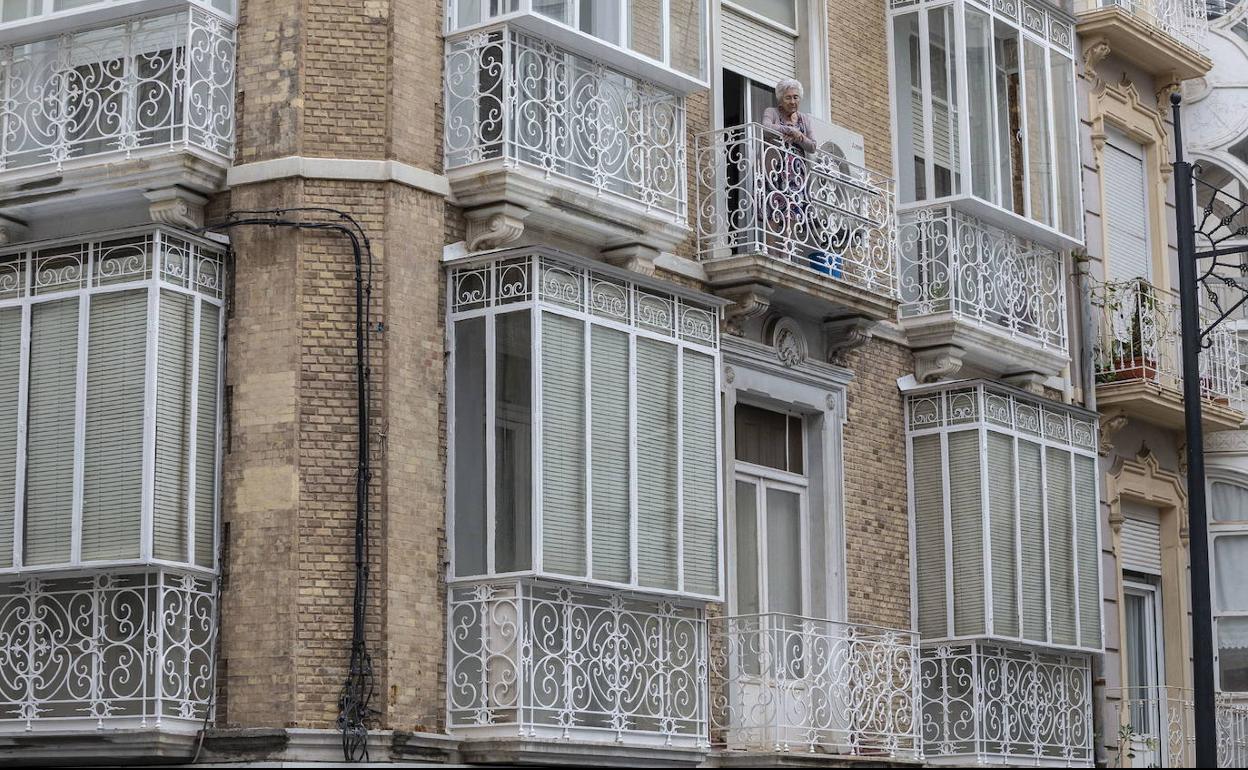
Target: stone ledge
[97, 747]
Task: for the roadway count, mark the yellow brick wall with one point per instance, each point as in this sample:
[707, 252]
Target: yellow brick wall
[858, 74]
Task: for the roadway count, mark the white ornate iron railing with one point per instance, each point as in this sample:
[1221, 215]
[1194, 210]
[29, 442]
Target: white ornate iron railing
[109, 649]
[1140, 338]
[1184, 20]
[1155, 727]
[954, 263]
[987, 703]
[758, 194]
[161, 81]
[536, 659]
[788, 683]
[523, 101]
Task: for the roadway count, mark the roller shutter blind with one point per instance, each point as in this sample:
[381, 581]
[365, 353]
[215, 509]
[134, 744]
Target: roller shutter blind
[1061, 546]
[929, 515]
[1126, 209]
[743, 41]
[701, 478]
[1034, 596]
[48, 521]
[206, 433]
[966, 519]
[10, 373]
[1087, 505]
[656, 464]
[173, 422]
[609, 409]
[112, 485]
[563, 444]
[1001, 488]
[1141, 541]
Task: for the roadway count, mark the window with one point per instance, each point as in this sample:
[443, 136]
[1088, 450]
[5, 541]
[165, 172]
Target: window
[1004, 499]
[110, 351]
[32, 10]
[1127, 218]
[1229, 531]
[1011, 140]
[585, 427]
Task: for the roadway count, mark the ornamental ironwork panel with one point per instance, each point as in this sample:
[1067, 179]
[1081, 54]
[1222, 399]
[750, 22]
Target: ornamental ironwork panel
[788, 683]
[536, 659]
[1155, 727]
[159, 81]
[758, 194]
[109, 649]
[1184, 20]
[523, 101]
[986, 702]
[953, 263]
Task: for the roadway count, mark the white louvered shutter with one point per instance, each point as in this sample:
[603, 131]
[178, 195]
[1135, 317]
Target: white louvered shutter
[10, 372]
[1086, 507]
[1031, 522]
[1061, 545]
[929, 517]
[112, 484]
[701, 477]
[609, 412]
[656, 464]
[755, 49]
[1001, 488]
[206, 434]
[50, 432]
[1126, 210]
[563, 444]
[173, 422]
[966, 520]
[1141, 540]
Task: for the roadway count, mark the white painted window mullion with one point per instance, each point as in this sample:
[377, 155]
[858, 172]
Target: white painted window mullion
[929, 119]
[149, 410]
[491, 427]
[193, 433]
[962, 140]
[23, 400]
[1074, 546]
[1018, 540]
[948, 524]
[80, 417]
[680, 467]
[537, 518]
[589, 444]
[632, 451]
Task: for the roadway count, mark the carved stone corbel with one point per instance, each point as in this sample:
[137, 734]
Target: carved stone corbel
[1111, 422]
[749, 301]
[636, 257]
[176, 206]
[1032, 382]
[845, 334]
[493, 226]
[1095, 53]
[933, 364]
[1163, 96]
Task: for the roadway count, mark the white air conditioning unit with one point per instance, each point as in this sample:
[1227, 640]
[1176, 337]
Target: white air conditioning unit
[839, 141]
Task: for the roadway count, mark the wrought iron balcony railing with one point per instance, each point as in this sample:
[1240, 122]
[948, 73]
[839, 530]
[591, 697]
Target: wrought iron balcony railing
[1140, 338]
[1184, 20]
[524, 102]
[1155, 727]
[987, 703]
[119, 649]
[758, 194]
[541, 660]
[147, 83]
[953, 263]
[788, 683]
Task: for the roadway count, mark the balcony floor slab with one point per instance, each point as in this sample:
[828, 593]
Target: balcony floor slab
[986, 346]
[1162, 405]
[1151, 48]
[800, 285]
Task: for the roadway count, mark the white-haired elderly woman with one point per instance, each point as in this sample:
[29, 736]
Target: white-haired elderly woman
[786, 119]
[789, 139]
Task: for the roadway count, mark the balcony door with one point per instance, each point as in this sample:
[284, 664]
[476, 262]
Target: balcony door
[1128, 251]
[1144, 693]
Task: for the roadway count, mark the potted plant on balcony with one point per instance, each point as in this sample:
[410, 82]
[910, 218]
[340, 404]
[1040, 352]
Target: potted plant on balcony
[1131, 309]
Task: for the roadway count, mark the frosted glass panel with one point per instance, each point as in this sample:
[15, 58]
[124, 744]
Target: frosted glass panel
[747, 548]
[784, 549]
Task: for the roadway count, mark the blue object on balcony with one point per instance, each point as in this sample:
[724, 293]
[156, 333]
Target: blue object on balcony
[820, 263]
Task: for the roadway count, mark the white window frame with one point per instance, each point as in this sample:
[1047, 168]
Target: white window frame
[49, 23]
[1219, 529]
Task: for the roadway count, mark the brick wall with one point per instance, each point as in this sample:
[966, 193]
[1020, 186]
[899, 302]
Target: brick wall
[858, 71]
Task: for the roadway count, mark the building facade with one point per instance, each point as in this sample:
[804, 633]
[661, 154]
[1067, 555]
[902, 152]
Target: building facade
[492, 382]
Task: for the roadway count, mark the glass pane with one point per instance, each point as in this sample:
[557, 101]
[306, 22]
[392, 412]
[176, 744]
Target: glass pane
[780, 11]
[12, 10]
[1140, 669]
[1066, 128]
[1233, 654]
[1229, 502]
[747, 548]
[467, 12]
[761, 437]
[513, 423]
[1039, 163]
[469, 424]
[796, 448]
[1009, 120]
[688, 37]
[784, 548]
[645, 27]
[555, 9]
[601, 18]
[910, 120]
[979, 84]
[1230, 562]
[946, 156]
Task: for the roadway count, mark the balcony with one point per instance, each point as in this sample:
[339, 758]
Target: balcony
[147, 103]
[538, 135]
[1163, 37]
[539, 660]
[1138, 359]
[986, 296]
[986, 703]
[811, 223]
[1155, 727]
[115, 649]
[782, 683]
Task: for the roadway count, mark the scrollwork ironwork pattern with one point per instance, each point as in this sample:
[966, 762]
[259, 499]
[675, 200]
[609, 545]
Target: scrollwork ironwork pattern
[789, 683]
[540, 659]
[523, 100]
[1156, 728]
[987, 702]
[953, 263]
[758, 194]
[106, 647]
[1008, 409]
[160, 81]
[1185, 20]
